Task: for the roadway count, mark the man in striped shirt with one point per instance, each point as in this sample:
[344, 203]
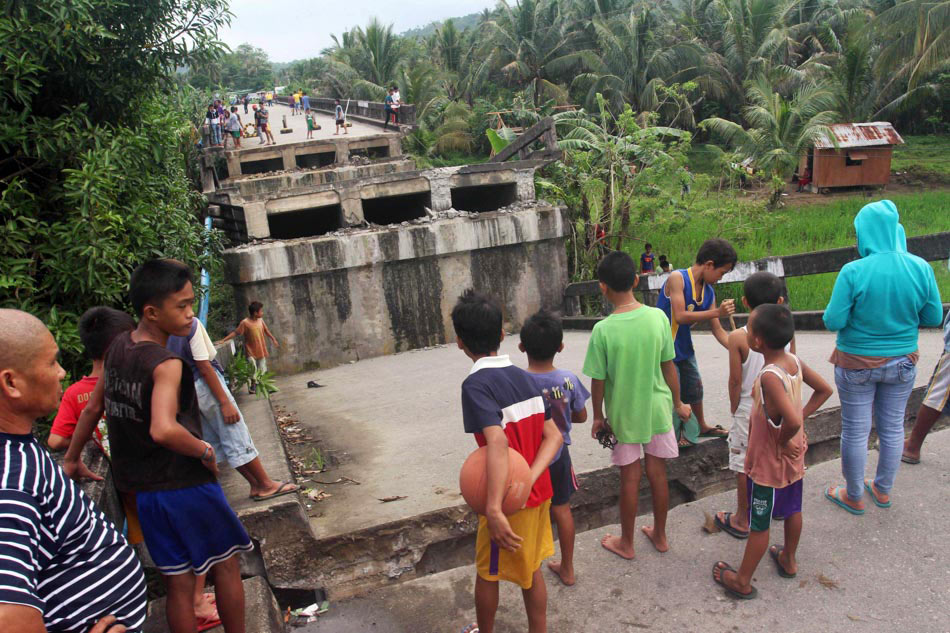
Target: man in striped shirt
[63, 565]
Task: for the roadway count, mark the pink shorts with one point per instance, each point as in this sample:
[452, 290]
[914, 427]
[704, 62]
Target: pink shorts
[663, 445]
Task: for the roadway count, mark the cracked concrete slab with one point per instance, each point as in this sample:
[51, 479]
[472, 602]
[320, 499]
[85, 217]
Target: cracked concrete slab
[881, 572]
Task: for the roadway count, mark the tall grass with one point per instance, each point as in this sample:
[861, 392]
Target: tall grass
[801, 229]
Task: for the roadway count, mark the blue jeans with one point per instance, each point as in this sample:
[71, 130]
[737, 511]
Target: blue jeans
[882, 393]
[215, 134]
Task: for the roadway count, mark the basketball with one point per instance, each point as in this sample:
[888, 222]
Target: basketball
[473, 481]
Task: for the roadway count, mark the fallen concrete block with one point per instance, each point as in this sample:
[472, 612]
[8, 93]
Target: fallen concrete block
[262, 615]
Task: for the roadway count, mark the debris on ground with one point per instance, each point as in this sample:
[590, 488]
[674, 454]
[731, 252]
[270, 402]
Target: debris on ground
[709, 524]
[306, 615]
[394, 498]
[315, 494]
[826, 582]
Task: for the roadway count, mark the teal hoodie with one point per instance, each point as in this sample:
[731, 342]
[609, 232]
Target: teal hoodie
[880, 300]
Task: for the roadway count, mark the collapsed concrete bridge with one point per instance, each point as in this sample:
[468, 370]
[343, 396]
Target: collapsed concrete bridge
[357, 253]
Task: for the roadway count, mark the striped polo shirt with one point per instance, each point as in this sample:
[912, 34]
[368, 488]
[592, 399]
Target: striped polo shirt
[496, 393]
[58, 553]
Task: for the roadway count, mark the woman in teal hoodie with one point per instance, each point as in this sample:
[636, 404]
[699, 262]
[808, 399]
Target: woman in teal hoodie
[877, 305]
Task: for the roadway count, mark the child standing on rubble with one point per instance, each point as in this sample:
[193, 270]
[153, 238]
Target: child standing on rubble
[253, 329]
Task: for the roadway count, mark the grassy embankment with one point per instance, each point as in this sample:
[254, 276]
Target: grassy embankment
[810, 228]
[826, 223]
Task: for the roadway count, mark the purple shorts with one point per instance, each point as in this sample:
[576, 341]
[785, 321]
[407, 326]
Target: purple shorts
[766, 502]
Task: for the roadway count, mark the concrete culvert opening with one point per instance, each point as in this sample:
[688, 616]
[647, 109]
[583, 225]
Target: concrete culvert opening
[396, 209]
[262, 166]
[484, 197]
[318, 159]
[305, 223]
[371, 152]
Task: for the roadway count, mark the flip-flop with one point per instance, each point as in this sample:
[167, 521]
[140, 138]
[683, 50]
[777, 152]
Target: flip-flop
[831, 494]
[716, 431]
[205, 624]
[726, 526]
[907, 459]
[869, 486]
[471, 628]
[285, 489]
[775, 551]
[732, 592]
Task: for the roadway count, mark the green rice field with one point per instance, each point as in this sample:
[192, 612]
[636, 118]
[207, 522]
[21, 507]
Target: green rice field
[804, 228]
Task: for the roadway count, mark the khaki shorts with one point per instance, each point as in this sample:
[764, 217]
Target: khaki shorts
[938, 391]
[739, 439]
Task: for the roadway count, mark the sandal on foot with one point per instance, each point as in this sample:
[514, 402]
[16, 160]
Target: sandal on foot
[684, 443]
[775, 551]
[723, 567]
[869, 486]
[834, 496]
[726, 526]
[471, 628]
[205, 624]
[907, 459]
[285, 489]
[716, 431]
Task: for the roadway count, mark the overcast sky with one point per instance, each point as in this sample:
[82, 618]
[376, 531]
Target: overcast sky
[297, 29]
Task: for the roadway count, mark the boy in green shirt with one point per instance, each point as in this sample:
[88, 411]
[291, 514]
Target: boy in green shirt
[630, 363]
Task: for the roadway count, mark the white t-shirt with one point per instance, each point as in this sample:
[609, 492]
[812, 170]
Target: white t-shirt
[397, 100]
[202, 347]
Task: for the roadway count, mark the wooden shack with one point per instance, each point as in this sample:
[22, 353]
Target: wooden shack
[862, 158]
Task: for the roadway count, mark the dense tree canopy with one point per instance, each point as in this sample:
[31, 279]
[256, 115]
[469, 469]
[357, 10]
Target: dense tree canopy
[93, 149]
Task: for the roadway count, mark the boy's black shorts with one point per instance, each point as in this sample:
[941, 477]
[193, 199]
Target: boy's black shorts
[563, 480]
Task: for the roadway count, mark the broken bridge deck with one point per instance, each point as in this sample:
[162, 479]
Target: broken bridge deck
[393, 424]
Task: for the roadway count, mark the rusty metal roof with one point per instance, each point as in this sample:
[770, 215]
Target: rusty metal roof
[861, 135]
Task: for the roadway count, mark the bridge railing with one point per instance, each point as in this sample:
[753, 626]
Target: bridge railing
[373, 112]
[933, 247]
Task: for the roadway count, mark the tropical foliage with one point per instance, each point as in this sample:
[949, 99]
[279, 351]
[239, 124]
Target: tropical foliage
[94, 150]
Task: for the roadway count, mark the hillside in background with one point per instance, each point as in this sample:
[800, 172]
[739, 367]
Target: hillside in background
[462, 23]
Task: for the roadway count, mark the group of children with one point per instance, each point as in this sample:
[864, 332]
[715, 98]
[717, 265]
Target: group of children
[645, 385]
[170, 418]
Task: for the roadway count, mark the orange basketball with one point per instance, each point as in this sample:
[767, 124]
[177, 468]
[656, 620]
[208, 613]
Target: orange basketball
[473, 481]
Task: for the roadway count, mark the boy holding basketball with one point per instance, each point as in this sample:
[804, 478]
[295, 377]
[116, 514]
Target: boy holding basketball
[565, 395]
[630, 362]
[503, 408]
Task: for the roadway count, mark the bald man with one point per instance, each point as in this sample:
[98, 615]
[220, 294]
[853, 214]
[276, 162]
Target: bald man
[63, 565]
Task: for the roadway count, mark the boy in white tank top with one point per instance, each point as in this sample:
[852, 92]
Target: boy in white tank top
[744, 365]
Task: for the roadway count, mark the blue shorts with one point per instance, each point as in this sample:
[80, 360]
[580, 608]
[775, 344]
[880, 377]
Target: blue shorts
[691, 383]
[563, 480]
[190, 529]
[231, 442]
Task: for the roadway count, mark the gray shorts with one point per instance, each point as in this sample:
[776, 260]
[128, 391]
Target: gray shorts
[231, 442]
[691, 384]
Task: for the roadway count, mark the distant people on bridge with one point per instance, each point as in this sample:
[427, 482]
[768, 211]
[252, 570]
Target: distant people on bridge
[214, 125]
[296, 103]
[388, 109]
[775, 455]
[397, 101]
[664, 263]
[233, 128]
[877, 305]
[263, 126]
[246, 100]
[647, 265]
[304, 100]
[310, 123]
[340, 116]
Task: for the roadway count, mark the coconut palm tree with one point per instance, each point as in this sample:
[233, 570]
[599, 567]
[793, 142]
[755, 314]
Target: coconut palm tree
[533, 46]
[917, 33]
[780, 130]
[637, 62]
